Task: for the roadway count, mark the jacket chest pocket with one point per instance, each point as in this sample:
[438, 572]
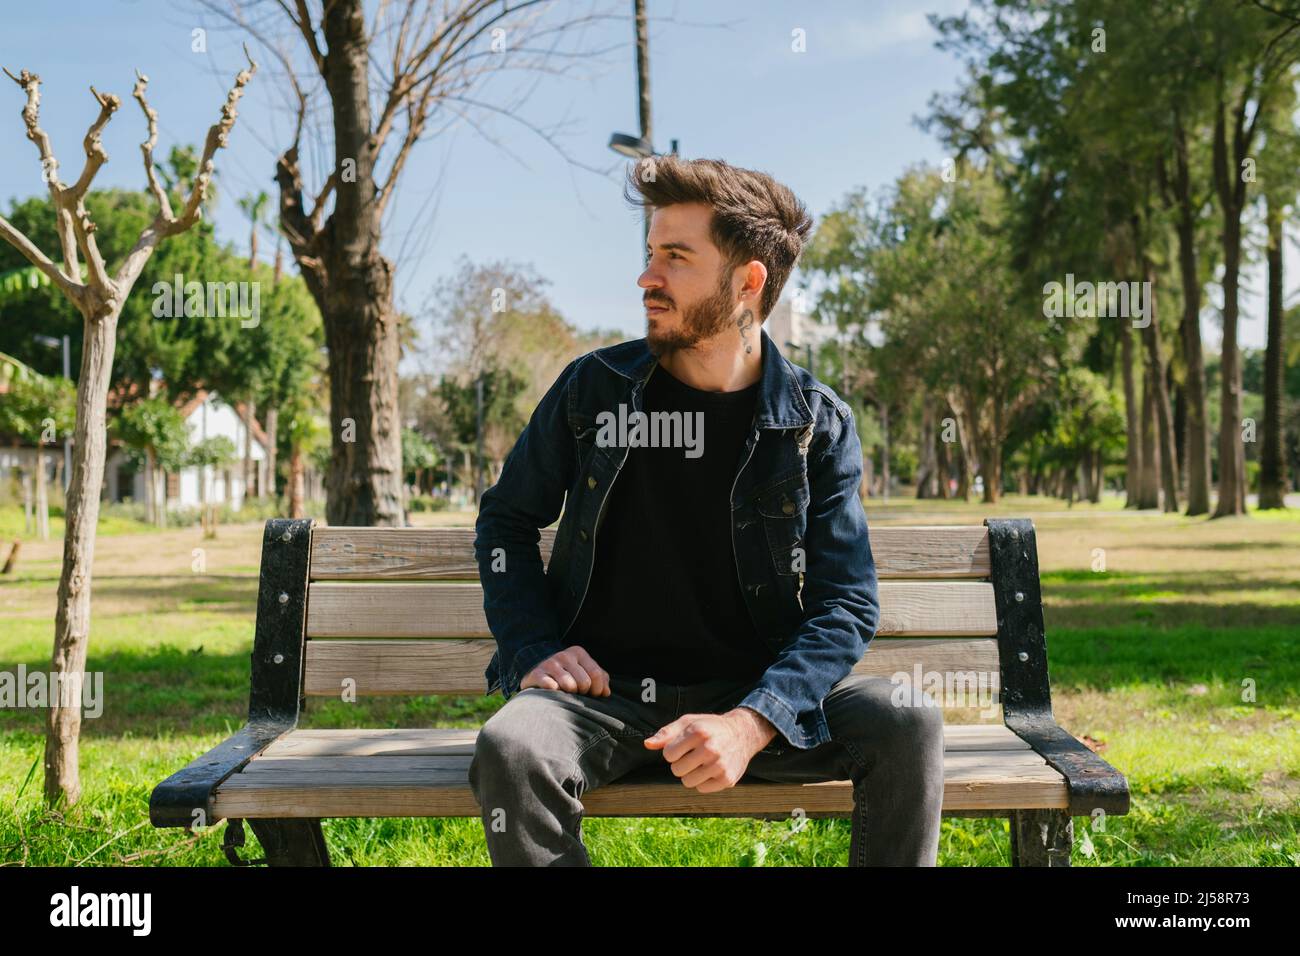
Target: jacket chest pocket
[783, 509]
[584, 442]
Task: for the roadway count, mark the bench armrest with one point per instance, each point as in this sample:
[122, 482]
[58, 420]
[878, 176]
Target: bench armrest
[175, 800]
[1092, 782]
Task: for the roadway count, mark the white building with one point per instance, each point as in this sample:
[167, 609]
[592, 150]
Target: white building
[793, 328]
[206, 416]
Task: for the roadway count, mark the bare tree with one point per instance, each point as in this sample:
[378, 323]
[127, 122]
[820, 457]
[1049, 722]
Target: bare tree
[99, 298]
[385, 82]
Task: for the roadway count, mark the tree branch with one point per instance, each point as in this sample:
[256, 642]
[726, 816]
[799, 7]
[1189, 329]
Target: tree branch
[165, 225]
[15, 237]
[146, 148]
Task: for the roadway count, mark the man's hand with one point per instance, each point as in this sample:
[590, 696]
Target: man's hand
[711, 752]
[572, 670]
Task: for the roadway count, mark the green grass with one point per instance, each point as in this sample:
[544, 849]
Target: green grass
[1180, 661]
[13, 526]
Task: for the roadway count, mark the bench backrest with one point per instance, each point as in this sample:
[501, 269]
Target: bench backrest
[400, 611]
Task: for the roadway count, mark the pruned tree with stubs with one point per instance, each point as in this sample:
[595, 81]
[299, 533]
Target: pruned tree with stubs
[99, 297]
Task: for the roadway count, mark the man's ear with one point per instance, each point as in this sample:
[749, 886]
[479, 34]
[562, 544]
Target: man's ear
[755, 280]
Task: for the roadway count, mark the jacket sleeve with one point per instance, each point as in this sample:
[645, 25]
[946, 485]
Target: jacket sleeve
[841, 608]
[527, 497]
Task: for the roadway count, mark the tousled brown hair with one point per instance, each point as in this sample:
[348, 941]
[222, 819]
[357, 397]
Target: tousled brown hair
[754, 216]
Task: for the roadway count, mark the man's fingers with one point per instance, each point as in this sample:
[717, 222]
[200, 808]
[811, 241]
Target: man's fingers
[580, 677]
[667, 734]
[537, 677]
[692, 761]
[599, 676]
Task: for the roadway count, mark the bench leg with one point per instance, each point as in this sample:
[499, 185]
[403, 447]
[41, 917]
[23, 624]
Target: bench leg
[1041, 837]
[291, 842]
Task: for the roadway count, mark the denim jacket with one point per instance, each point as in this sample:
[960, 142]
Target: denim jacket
[799, 533]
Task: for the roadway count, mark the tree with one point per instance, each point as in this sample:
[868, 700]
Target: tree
[936, 264]
[40, 410]
[1251, 65]
[99, 299]
[418, 457]
[208, 453]
[381, 101]
[157, 441]
[255, 208]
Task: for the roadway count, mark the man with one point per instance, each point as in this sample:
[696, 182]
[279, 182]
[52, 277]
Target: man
[711, 585]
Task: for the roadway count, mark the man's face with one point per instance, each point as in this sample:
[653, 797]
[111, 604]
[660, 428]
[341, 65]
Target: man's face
[688, 293]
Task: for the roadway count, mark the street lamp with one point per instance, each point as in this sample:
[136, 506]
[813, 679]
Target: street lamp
[640, 147]
[633, 147]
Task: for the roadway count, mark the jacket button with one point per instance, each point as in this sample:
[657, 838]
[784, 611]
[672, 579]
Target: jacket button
[788, 507]
[582, 533]
[591, 481]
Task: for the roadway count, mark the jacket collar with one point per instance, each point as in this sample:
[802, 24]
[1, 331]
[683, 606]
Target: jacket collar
[780, 399]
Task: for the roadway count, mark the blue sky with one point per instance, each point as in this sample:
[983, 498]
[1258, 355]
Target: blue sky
[724, 79]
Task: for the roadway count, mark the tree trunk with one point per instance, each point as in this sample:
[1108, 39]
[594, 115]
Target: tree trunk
[926, 483]
[295, 482]
[1164, 417]
[150, 489]
[1180, 432]
[203, 500]
[1089, 476]
[272, 436]
[160, 497]
[943, 463]
[11, 562]
[991, 467]
[72, 617]
[42, 495]
[886, 474]
[1198, 431]
[1272, 474]
[364, 484]
[1232, 458]
[249, 414]
[29, 512]
[1149, 486]
[1133, 415]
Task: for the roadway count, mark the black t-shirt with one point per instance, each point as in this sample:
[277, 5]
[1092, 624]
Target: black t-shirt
[664, 599]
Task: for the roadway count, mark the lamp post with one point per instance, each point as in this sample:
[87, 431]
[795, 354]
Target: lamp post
[640, 147]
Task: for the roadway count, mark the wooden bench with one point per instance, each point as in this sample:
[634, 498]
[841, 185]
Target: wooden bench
[399, 611]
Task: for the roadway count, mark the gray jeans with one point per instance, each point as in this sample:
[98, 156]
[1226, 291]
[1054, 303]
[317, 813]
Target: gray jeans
[543, 749]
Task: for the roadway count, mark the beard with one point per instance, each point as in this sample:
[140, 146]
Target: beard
[700, 320]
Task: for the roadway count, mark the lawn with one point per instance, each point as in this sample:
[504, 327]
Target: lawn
[1172, 644]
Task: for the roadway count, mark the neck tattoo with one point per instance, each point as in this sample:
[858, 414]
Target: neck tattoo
[745, 323]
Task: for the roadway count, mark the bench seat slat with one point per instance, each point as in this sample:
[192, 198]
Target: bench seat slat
[449, 667]
[434, 741]
[973, 780]
[907, 609]
[426, 554]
